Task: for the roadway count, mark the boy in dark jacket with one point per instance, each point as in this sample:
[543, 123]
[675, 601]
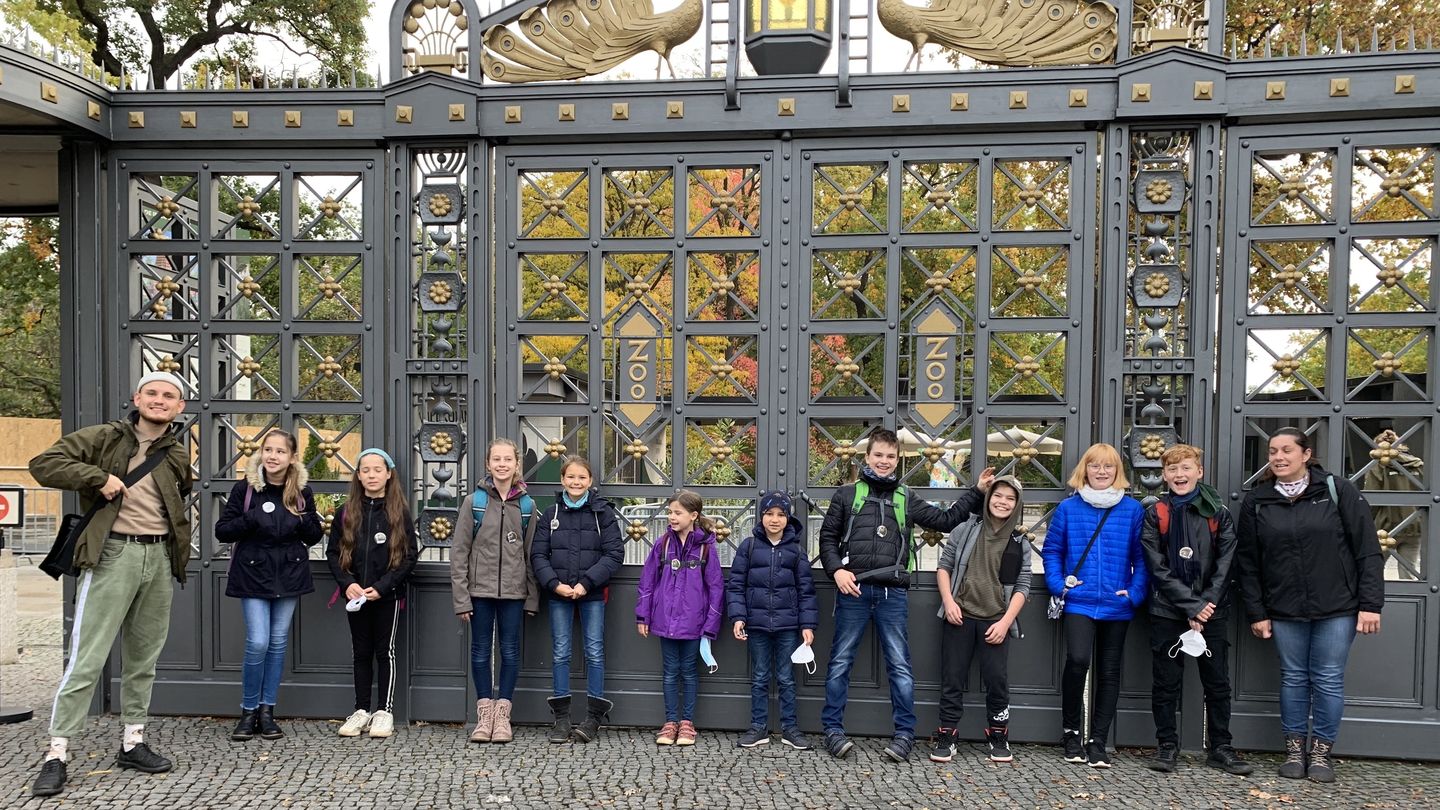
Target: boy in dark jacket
[771, 598]
[865, 546]
[1189, 542]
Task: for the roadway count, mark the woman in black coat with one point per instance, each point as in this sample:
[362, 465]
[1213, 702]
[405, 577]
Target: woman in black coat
[1311, 575]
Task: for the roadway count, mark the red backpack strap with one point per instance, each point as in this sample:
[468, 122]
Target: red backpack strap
[1214, 521]
[1162, 514]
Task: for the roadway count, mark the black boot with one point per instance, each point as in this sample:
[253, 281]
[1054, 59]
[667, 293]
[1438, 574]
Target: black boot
[597, 711]
[560, 707]
[265, 719]
[246, 726]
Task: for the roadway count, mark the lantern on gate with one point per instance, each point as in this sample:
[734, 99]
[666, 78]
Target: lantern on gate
[787, 36]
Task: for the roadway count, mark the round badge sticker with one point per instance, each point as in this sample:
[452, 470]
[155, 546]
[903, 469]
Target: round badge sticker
[268, 507]
[881, 531]
[1071, 581]
[379, 537]
[1186, 553]
[554, 524]
[675, 564]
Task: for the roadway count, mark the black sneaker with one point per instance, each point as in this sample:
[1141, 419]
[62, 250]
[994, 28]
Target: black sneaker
[1096, 755]
[942, 748]
[141, 758]
[1227, 759]
[51, 779]
[1165, 758]
[753, 737]
[837, 743]
[1074, 749]
[795, 738]
[999, 739]
[900, 747]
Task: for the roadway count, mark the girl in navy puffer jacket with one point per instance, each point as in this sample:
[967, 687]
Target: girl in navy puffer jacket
[771, 600]
[1102, 589]
[577, 548]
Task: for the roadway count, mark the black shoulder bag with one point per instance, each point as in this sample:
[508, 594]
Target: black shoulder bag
[60, 561]
[1056, 608]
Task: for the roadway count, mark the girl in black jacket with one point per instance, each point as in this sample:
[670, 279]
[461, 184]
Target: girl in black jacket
[271, 519]
[371, 553]
[1312, 576]
[577, 548]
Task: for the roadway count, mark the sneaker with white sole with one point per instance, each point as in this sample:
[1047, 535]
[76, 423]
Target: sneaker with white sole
[382, 724]
[355, 724]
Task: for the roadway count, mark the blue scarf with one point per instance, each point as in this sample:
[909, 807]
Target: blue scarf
[575, 504]
[1187, 569]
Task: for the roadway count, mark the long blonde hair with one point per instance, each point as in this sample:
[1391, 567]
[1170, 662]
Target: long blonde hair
[296, 476]
[1102, 453]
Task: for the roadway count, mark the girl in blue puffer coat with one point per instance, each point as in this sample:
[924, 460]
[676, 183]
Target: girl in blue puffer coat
[577, 550]
[1094, 557]
[679, 599]
[771, 601]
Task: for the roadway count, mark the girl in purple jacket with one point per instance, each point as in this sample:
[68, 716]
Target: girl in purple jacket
[680, 593]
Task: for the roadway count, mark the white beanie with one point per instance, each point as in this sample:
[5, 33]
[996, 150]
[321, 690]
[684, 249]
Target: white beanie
[161, 376]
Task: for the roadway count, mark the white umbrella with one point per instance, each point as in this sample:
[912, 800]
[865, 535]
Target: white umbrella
[1003, 443]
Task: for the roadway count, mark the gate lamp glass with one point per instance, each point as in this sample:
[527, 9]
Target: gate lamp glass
[787, 36]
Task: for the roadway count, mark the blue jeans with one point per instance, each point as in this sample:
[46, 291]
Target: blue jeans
[770, 653]
[562, 629]
[679, 655]
[507, 613]
[889, 609]
[267, 633]
[1312, 673]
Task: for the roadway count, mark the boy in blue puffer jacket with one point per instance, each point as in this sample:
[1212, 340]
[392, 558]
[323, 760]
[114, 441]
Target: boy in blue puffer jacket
[771, 598]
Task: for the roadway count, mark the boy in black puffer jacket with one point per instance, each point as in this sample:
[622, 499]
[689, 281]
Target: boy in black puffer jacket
[771, 599]
[577, 549]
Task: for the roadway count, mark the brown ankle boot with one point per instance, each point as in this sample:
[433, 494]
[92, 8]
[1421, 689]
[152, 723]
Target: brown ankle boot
[484, 720]
[502, 733]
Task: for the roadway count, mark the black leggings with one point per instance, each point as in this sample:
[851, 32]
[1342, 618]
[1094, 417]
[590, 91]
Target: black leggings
[372, 636]
[958, 646]
[1106, 640]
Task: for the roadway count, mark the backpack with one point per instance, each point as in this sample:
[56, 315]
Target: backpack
[1162, 513]
[481, 499]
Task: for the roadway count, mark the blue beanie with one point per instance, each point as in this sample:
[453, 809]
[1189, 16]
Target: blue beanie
[770, 500]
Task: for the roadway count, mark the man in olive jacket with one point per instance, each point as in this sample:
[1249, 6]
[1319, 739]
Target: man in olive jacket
[127, 555]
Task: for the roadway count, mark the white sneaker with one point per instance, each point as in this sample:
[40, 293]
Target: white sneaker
[355, 724]
[382, 724]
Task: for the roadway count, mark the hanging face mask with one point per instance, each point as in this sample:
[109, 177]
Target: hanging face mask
[707, 656]
[355, 604]
[804, 656]
[1191, 643]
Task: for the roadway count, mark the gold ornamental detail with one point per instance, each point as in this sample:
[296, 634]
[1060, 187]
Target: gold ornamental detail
[441, 443]
[1286, 365]
[1152, 446]
[440, 528]
[1008, 33]
[565, 39]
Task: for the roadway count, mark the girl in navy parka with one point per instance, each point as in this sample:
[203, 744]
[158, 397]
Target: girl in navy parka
[679, 599]
[577, 548]
[1102, 589]
[771, 600]
[271, 519]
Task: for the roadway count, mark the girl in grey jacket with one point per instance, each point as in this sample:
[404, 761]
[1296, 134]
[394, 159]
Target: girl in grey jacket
[983, 579]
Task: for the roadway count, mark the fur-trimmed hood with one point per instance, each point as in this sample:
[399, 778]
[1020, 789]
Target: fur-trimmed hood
[255, 475]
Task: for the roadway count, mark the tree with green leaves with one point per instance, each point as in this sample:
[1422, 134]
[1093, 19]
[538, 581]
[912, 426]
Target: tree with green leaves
[166, 35]
[29, 318]
[1251, 23]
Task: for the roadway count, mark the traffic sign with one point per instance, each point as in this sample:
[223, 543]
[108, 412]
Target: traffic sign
[12, 506]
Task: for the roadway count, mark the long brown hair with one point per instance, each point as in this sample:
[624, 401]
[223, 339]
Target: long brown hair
[397, 514]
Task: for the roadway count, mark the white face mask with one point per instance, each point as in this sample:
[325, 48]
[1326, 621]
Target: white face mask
[708, 656]
[804, 655]
[355, 604]
[1191, 643]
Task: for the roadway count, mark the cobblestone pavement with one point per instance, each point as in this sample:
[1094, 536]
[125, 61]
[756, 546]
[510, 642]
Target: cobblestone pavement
[432, 766]
[425, 766]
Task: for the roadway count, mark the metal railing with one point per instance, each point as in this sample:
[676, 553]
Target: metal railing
[44, 509]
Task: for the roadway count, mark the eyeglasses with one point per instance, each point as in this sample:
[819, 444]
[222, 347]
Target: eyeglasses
[1099, 465]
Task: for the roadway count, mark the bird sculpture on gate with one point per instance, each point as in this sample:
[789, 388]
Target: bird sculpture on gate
[1010, 33]
[570, 39]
